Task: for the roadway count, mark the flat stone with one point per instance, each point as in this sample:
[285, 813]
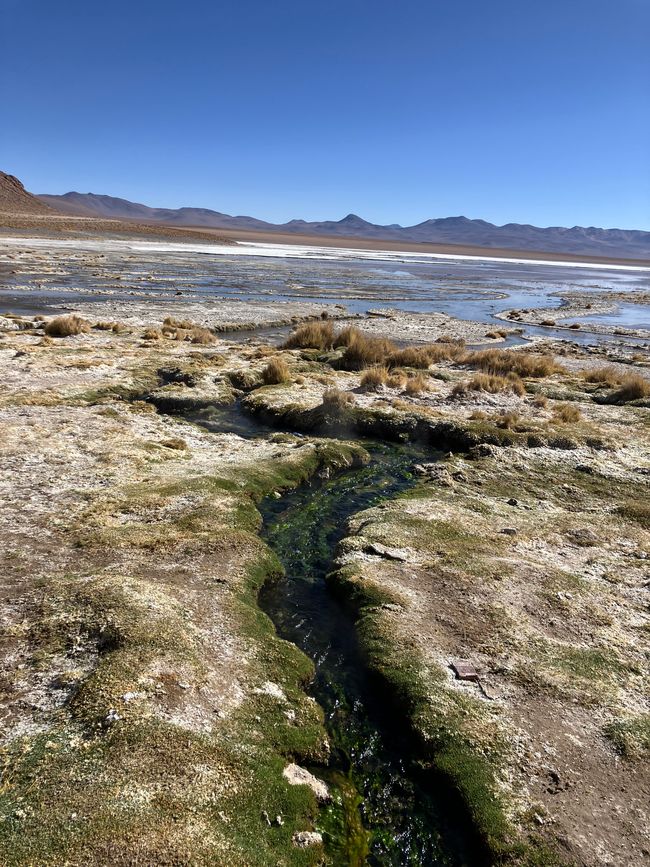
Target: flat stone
[464, 670]
[297, 776]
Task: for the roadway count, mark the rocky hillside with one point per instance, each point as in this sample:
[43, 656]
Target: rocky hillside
[15, 199]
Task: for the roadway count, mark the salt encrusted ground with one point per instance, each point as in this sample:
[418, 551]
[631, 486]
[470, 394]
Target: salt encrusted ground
[148, 711]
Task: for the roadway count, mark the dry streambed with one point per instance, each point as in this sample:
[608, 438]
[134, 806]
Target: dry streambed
[149, 710]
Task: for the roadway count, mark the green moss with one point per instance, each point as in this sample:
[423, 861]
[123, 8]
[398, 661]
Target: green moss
[99, 790]
[445, 724]
[631, 737]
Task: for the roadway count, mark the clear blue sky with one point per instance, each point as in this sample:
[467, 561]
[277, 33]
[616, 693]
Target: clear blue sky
[399, 110]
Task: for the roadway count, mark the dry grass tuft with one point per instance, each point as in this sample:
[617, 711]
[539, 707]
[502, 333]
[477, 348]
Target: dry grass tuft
[416, 385]
[311, 335]
[347, 336]
[67, 326]
[202, 336]
[364, 351]
[603, 376]
[566, 413]
[172, 322]
[397, 379]
[418, 357]
[507, 420]
[633, 387]
[629, 386]
[336, 400]
[152, 334]
[500, 362]
[373, 377]
[454, 341]
[498, 333]
[540, 401]
[491, 384]
[276, 371]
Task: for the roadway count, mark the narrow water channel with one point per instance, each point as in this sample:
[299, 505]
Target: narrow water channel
[385, 811]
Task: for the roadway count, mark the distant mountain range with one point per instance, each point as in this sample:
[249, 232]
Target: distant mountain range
[461, 231]
[626, 243]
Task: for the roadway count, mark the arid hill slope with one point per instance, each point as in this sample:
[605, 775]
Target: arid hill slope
[15, 199]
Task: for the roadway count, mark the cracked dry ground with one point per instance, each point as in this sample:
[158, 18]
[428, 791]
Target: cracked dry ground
[149, 713]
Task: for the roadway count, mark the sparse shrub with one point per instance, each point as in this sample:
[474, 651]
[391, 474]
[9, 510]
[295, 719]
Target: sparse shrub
[478, 415]
[276, 371]
[492, 335]
[118, 327]
[152, 334]
[373, 377]
[491, 384]
[500, 362]
[566, 412]
[103, 326]
[67, 326]
[416, 385]
[540, 401]
[335, 400]
[548, 322]
[311, 335]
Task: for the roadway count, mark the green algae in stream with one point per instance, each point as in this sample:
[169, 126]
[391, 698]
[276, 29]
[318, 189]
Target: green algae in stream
[383, 811]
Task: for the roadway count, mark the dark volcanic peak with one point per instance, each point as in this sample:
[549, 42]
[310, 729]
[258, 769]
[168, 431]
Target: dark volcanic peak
[459, 230]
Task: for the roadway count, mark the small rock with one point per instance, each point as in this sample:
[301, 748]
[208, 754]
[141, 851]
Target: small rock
[303, 839]
[513, 502]
[279, 821]
[297, 776]
[509, 531]
[111, 717]
[464, 671]
[183, 685]
[585, 468]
